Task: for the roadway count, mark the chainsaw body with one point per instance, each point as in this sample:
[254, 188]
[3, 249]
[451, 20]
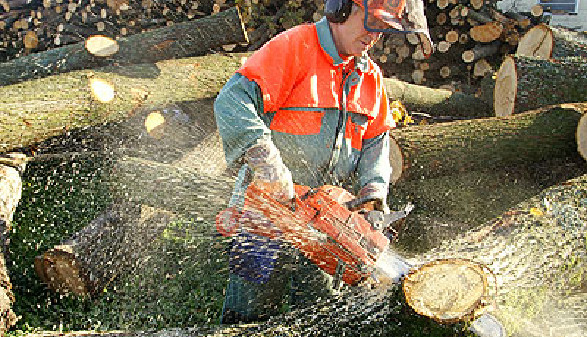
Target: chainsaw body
[342, 243]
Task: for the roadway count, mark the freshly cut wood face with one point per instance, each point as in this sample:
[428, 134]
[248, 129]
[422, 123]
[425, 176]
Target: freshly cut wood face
[582, 136]
[447, 290]
[60, 273]
[486, 33]
[506, 88]
[537, 42]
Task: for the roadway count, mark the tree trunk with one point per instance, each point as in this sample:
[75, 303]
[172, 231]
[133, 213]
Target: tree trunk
[436, 102]
[176, 41]
[421, 152]
[113, 244]
[524, 83]
[33, 111]
[537, 252]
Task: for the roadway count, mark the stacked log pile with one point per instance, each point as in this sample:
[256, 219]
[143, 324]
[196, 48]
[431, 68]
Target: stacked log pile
[471, 37]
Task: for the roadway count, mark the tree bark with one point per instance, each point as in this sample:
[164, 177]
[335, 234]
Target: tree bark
[524, 83]
[421, 152]
[436, 102]
[33, 111]
[112, 245]
[180, 40]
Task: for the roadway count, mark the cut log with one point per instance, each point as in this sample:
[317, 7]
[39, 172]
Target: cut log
[568, 43]
[481, 51]
[36, 110]
[181, 40]
[436, 102]
[537, 42]
[481, 68]
[112, 245]
[582, 136]
[533, 288]
[420, 152]
[486, 33]
[524, 83]
[11, 168]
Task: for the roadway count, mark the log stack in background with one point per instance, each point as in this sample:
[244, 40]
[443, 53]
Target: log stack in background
[471, 36]
[41, 25]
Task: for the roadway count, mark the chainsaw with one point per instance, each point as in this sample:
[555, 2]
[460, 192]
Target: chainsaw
[317, 222]
[354, 247]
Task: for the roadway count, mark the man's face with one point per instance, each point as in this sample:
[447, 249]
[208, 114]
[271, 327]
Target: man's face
[353, 38]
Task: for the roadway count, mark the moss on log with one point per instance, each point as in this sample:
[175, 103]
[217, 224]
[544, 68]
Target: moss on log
[180, 40]
[421, 152]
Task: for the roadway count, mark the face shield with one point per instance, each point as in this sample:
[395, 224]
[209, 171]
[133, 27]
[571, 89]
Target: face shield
[398, 16]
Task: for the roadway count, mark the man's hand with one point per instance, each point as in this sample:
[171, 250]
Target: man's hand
[269, 171]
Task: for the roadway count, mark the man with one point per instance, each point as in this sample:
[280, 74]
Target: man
[309, 107]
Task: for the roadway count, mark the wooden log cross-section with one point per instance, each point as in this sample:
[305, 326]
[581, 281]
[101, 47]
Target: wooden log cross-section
[180, 40]
[525, 83]
[420, 152]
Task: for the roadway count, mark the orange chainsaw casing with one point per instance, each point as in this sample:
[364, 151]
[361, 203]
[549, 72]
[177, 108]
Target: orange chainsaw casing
[337, 240]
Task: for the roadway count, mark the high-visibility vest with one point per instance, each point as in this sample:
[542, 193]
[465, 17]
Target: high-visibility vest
[300, 82]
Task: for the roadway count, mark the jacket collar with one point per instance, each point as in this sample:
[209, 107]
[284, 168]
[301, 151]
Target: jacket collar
[328, 46]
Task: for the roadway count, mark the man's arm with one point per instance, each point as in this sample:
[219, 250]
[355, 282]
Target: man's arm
[374, 171]
[237, 110]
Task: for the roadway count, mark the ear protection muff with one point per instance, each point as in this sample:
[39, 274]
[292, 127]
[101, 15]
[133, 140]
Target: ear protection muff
[337, 11]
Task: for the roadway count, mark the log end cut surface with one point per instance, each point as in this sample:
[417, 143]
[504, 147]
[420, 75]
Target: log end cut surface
[582, 136]
[58, 269]
[395, 160]
[446, 290]
[506, 87]
[537, 42]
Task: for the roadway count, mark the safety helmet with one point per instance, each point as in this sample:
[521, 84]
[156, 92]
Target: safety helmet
[399, 16]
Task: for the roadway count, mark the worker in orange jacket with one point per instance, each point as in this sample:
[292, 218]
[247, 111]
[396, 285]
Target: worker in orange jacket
[309, 107]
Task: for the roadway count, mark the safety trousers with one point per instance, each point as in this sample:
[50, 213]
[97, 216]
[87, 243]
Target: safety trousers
[267, 278]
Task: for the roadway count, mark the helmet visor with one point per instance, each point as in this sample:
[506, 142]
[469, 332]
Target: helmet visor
[398, 16]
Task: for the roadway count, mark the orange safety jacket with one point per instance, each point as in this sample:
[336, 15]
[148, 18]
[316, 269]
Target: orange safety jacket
[328, 116]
